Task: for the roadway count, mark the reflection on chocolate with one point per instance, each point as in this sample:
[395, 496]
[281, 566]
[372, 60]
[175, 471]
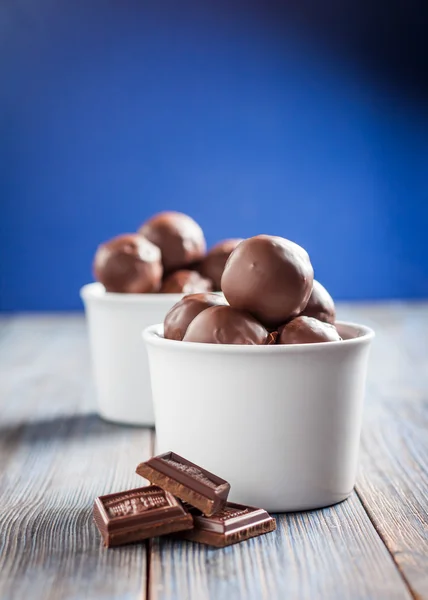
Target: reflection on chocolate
[213, 264]
[182, 314]
[128, 263]
[185, 282]
[320, 305]
[307, 330]
[269, 277]
[179, 238]
[227, 325]
[189, 482]
[235, 523]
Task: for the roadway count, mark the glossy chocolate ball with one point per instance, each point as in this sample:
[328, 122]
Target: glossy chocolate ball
[182, 314]
[185, 282]
[226, 325]
[213, 264]
[129, 264]
[270, 277]
[179, 238]
[307, 330]
[320, 305]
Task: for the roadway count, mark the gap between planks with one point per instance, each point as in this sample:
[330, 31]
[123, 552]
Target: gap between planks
[149, 542]
[413, 594]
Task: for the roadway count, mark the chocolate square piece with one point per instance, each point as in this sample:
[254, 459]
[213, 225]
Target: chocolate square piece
[138, 514]
[188, 481]
[234, 523]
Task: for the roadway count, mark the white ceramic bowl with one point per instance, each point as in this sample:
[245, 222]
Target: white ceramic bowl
[119, 359]
[280, 423]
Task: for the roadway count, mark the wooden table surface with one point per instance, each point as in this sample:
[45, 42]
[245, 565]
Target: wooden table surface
[56, 456]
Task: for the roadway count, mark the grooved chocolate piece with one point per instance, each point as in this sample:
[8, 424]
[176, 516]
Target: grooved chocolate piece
[188, 481]
[139, 514]
[234, 523]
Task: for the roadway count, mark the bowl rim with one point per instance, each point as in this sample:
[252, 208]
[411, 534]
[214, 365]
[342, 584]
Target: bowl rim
[96, 292]
[153, 335]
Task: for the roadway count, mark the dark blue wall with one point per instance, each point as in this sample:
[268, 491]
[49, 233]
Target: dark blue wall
[111, 111]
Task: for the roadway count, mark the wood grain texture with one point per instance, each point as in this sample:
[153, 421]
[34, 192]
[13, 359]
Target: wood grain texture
[393, 480]
[56, 458]
[327, 554]
[393, 485]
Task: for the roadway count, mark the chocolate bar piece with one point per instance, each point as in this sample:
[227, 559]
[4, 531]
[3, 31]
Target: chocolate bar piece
[191, 483]
[138, 514]
[234, 523]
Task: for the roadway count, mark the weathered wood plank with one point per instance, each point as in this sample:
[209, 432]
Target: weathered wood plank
[393, 484]
[334, 553]
[393, 480]
[44, 374]
[56, 458]
[44, 368]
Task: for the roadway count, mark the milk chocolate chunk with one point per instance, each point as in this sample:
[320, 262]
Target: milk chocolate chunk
[139, 514]
[307, 330]
[227, 325]
[189, 482]
[130, 264]
[185, 282]
[179, 238]
[183, 312]
[212, 266]
[320, 305]
[270, 277]
[234, 523]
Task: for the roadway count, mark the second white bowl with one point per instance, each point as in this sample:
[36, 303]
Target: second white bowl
[119, 359]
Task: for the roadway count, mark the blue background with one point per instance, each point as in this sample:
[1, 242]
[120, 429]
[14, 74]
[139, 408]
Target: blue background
[251, 120]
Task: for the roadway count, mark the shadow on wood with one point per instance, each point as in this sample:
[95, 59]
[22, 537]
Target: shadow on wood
[63, 428]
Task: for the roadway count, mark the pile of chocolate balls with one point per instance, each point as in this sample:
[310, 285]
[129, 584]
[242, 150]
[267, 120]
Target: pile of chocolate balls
[269, 292]
[269, 297]
[168, 255]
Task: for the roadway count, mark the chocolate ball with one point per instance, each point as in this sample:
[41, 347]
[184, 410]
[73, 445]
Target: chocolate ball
[320, 305]
[226, 325]
[129, 264]
[307, 330]
[183, 312]
[187, 282]
[270, 277]
[179, 238]
[213, 264]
